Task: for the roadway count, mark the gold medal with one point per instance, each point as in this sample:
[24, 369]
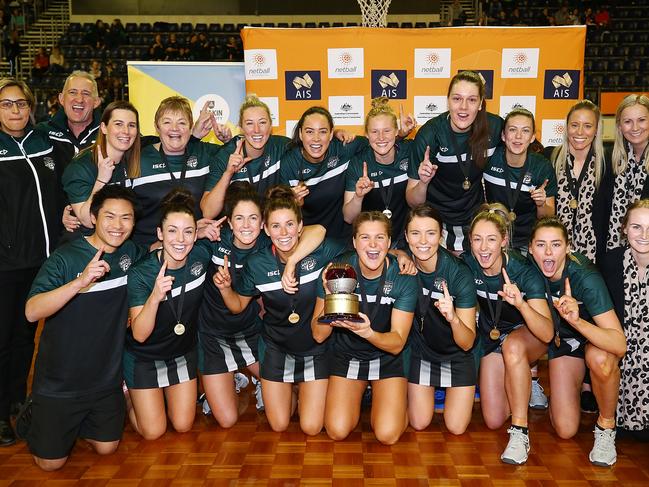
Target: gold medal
[179, 329]
[466, 185]
[387, 212]
[512, 217]
[573, 204]
[557, 340]
[293, 318]
[494, 334]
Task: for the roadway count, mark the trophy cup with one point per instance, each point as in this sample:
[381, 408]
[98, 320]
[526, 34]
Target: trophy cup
[341, 304]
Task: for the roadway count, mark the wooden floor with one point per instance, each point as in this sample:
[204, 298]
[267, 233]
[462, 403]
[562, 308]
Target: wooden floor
[250, 454]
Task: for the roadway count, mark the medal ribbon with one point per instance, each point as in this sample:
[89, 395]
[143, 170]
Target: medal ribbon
[574, 185]
[495, 316]
[463, 165]
[177, 314]
[512, 198]
[183, 171]
[297, 277]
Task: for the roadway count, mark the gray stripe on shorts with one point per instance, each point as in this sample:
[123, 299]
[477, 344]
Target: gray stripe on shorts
[309, 369]
[424, 373]
[162, 373]
[445, 379]
[353, 368]
[228, 356]
[246, 352]
[182, 369]
[289, 368]
[459, 237]
[375, 369]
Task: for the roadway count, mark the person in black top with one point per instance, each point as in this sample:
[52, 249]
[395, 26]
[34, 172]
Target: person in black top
[625, 272]
[375, 349]
[29, 228]
[586, 331]
[77, 389]
[164, 292]
[444, 330]
[113, 159]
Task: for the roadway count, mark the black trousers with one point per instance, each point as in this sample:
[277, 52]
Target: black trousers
[16, 337]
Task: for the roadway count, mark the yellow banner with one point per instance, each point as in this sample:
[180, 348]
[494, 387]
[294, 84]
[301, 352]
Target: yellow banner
[342, 69]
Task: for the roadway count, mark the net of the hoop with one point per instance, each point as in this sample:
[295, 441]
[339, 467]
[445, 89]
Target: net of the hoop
[374, 12]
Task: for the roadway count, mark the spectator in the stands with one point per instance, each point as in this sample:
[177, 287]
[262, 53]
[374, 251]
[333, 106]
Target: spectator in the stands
[457, 15]
[543, 19]
[41, 63]
[562, 16]
[589, 17]
[515, 18]
[204, 48]
[231, 48]
[53, 104]
[17, 21]
[602, 17]
[173, 48]
[116, 34]
[96, 36]
[96, 71]
[193, 49]
[157, 50]
[501, 19]
[57, 60]
[12, 52]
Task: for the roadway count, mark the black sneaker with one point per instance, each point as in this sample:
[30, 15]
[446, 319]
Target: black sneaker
[24, 419]
[7, 435]
[588, 402]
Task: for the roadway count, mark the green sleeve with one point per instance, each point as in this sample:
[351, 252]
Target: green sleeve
[211, 153]
[593, 292]
[406, 300]
[532, 283]
[245, 285]
[548, 173]
[78, 180]
[287, 169]
[50, 276]
[424, 138]
[354, 147]
[139, 286]
[463, 287]
[354, 172]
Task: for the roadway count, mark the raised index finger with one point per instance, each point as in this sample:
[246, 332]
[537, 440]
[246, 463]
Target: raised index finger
[97, 256]
[364, 169]
[220, 221]
[545, 183]
[427, 154]
[239, 148]
[163, 268]
[507, 281]
[568, 291]
[226, 264]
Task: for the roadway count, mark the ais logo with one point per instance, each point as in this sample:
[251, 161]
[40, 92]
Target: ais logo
[302, 85]
[561, 84]
[390, 83]
[487, 76]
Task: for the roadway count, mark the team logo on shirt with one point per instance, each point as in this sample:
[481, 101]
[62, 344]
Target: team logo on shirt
[333, 162]
[267, 161]
[387, 287]
[403, 165]
[561, 84]
[497, 169]
[302, 85]
[443, 149]
[196, 269]
[527, 179]
[49, 163]
[308, 264]
[3, 152]
[478, 281]
[439, 283]
[56, 134]
[192, 162]
[390, 83]
[124, 262]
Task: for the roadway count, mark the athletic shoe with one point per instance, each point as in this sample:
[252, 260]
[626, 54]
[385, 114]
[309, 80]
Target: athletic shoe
[588, 402]
[538, 400]
[7, 435]
[518, 447]
[603, 453]
[476, 397]
[366, 400]
[440, 397]
[24, 419]
[240, 382]
[258, 396]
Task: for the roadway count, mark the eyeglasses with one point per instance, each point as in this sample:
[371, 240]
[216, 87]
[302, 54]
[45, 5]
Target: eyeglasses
[8, 104]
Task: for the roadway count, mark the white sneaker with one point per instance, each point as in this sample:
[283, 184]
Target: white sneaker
[258, 396]
[205, 406]
[603, 453]
[518, 447]
[538, 400]
[240, 382]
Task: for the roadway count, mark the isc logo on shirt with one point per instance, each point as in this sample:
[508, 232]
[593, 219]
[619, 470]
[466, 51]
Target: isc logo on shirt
[561, 84]
[302, 85]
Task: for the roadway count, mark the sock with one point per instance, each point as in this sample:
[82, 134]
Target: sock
[521, 428]
[597, 426]
[535, 379]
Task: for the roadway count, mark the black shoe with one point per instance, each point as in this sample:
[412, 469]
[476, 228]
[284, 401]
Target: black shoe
[14, 408]
[24, 419]
[366, 401]
[588, 402]
[7, 435]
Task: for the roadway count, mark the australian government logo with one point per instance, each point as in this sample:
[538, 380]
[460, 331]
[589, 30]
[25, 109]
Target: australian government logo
[346, 62]
[427, 107]
[561, 84]
[347, 110]
[391, 83]
[260, 63]
[520, 63]
[302, 85]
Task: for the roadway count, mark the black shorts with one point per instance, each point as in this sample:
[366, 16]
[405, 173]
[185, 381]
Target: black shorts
[155, 374]
[58, 422]
[569, 347]
[226, 354]
[486, 345]
[384, 366]
[279, 366]
[457, 372]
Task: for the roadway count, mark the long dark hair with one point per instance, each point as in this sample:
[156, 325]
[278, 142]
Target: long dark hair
[132, 155]
[295, 141]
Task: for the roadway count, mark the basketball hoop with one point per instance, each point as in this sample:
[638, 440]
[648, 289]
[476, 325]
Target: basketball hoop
[375, 12]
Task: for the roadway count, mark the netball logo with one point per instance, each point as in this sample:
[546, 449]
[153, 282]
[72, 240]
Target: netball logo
[196, 269]
[260, 63]
[552, 132]
[346, 62]
[433, 63]
[124, 262]
[520, 63]
[559, 129]
[520, 58]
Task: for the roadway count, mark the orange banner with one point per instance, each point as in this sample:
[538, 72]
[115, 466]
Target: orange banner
[342, 69]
